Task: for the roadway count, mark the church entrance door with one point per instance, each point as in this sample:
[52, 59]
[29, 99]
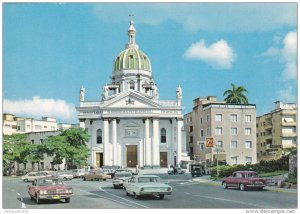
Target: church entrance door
[163, 159]
[131, 151]
[99, 160]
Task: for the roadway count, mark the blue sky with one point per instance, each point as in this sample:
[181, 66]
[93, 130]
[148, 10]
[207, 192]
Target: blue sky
[50, 50]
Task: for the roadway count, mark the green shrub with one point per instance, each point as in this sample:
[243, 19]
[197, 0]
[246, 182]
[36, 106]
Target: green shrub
[263, 166]
[292, 179]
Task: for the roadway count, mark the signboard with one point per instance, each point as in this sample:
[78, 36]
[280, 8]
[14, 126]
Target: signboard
[209, 142]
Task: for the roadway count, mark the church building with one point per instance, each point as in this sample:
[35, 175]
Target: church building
[129, 125]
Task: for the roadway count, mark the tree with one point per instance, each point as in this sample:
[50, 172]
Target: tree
[77, 151]
[56, 146]
[236, 95]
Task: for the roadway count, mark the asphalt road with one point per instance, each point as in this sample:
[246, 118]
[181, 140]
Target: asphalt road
[186, 194]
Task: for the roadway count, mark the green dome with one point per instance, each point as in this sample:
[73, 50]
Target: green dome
[132, 59]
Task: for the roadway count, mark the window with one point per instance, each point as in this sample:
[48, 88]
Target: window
[247, 131]
[201, 120]
[41, 141]
[131, 85]
[38, 127]
[233, 131]
[191, 128]
[32, 141]
[233, 117]
[218, 131]
[208, 131]
[27, 126]
[248, 160]
[248, 144]
[248, 118]
[45, 127]
[191, 139]
[191, 150]
[163, 135]
[99, 136]
[201, 133]
[233, 160]
[207, 118]
[218, 117]
[233, 144]
[201, 146]
[19, 128]
[219, 144]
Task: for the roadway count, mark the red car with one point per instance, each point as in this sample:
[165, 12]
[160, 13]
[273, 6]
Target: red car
[244, 180]
[49, 189]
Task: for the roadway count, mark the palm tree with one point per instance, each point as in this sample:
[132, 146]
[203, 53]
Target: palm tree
[236, 95]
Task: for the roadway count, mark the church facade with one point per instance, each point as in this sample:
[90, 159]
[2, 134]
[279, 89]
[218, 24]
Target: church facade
[130, 126]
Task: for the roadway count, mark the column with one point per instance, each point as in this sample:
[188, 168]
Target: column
[114, 142]
[141, 153]
[179, 127]
[147, 144]
[155, 143]
[106, 158]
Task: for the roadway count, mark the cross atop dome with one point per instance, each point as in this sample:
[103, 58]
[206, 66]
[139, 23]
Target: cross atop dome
[131, 34]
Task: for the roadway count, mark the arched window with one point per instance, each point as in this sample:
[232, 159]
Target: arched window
[163, 135]
[131, 85]
[99, 136]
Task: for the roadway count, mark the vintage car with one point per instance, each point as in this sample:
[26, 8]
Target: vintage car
[31, 176]
[177, 170]
[64, 175]
[244, 180]
[120, 178]
[49, 189]
[78, 173]
[197, 170]
[95, 175]
[147, 185]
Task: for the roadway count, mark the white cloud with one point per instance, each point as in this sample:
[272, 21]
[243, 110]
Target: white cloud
[213, 17]
[219, 54]
[287, 95]
[38, 107]
[289, 56]
[272, 51]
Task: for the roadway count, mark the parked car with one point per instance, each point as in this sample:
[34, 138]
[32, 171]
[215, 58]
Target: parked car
[197, 170]
[49, 189]
[120, 178]
[244, 180]
[110, 170]
[64, 175]
[94, 175]
[31, 176]
[147, 185]
[178, 170]
[78, 173]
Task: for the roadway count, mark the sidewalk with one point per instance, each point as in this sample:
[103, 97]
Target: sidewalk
[207, 180]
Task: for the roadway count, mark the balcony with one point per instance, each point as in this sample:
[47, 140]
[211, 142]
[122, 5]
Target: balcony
[288, 134]
[289, 123]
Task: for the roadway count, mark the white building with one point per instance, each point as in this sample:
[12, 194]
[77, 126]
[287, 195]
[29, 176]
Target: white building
[130, 126]
[20, 125]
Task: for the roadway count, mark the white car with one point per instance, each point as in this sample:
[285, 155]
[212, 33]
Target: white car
[120, 178]
[78, 173]
[31, 176]
[147, 185]
[64, 175]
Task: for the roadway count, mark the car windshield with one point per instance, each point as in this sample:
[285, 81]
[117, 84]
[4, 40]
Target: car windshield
[50, 182]
[120, 175]
[252, 175]
[147, 179]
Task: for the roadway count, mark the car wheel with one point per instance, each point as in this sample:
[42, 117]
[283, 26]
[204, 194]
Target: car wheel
[224, 185]
[115, 187]
[135, 196]
[92, 179]
[242, 187]
[192, 175]
[25, 180]
[68, 200]
[65, 179]
[84, 178]
[161, 196]
[104, 179]
[31, 198]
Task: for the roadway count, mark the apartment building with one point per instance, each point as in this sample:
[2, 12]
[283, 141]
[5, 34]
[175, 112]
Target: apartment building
[230, 126]
[276, 131]
[20, 125]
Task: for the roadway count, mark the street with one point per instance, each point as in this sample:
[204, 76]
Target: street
[186, 194]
